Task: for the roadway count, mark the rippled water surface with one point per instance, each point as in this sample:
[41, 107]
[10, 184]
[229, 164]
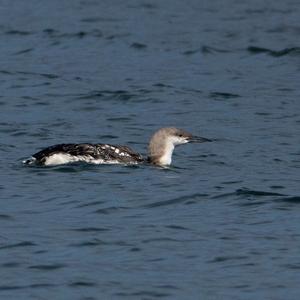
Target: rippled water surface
[223, 221]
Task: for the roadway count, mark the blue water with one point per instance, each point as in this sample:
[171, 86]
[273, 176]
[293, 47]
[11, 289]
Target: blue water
[223, 221]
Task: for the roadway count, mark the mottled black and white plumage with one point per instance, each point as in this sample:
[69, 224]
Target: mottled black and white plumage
[90, 153]
[160, 148]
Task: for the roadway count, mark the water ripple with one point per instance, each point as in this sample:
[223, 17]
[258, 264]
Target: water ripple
[107, 95]
[18, 245]
[274, 53]
[31, 286]
[109, 210]
[295, 199]
[90, 229]
[48, 267]
[146, 294]
[76, 284]
[4, 216]
[223, 95]
[90, 243]
[18, 32]
[56, 34]
[182, 199]
[206, 50]
[220, 259]
[247, 192]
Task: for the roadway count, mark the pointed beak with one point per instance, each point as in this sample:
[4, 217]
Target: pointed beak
[198, 139]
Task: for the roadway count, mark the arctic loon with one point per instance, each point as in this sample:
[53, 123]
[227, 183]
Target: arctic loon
[160, 151]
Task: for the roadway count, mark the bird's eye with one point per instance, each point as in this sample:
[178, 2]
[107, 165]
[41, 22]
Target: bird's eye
[180, 135]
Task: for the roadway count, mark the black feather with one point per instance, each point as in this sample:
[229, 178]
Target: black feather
[96, 151]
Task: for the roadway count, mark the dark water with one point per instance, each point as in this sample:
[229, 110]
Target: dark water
[223, 222]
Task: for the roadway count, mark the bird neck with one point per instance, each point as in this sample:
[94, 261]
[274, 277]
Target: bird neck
[161, 154]
[166, 158]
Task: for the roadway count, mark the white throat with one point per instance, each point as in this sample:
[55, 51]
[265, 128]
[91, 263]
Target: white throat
[166, 158]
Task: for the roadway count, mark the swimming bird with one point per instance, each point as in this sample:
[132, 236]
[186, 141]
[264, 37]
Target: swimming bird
[160, 151]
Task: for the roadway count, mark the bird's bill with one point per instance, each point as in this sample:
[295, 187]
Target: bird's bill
[198, 139]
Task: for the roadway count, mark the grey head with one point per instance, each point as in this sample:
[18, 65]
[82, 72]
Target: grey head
[163, 142]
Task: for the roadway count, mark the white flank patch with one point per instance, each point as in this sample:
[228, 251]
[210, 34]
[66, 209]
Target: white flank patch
[101, 161]
[64, 158]
[60, 159]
